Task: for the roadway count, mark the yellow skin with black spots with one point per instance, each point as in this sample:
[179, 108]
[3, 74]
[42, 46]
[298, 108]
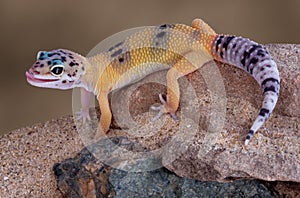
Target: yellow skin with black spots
[179, 48]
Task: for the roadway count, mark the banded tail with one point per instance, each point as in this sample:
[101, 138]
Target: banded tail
[256, 60]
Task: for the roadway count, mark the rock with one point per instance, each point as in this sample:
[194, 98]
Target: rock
[273, 153]
[85, 176]
[28, 154]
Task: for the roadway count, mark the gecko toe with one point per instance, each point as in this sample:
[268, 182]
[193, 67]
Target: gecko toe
[162, 109]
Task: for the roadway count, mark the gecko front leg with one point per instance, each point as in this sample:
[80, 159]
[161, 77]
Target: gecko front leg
[105, 117]
[84, 114]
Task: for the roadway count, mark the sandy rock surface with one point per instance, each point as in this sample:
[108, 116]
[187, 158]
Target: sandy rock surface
[28, 155]
[218, 105]
[273, 153]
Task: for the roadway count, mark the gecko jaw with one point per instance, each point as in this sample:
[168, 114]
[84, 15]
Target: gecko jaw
[48, 83]
[32, 78]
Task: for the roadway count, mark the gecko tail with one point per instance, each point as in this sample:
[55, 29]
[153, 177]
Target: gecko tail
[256, 61]
[270, 99]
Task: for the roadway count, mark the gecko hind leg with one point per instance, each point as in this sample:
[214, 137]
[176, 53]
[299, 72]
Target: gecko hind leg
[188, 63]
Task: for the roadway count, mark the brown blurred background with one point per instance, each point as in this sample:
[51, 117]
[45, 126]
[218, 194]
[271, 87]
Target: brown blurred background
[32, 25]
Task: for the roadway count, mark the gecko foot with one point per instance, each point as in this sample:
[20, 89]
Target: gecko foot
[162, 109]
[83, 115]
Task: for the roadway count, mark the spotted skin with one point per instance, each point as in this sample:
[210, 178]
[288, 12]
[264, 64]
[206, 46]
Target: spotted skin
[255, 60]
[175, 46]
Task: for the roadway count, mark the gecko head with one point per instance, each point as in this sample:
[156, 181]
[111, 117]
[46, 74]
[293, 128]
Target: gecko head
[61, 69]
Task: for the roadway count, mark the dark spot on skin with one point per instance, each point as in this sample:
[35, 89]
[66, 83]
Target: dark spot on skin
[271, 88]
[69, 75]
[35, 66]
[115, 46]
[116, 53]
[76, 70]
[49, 62]
[71, 64]
[253, 60]
[71, 57]
[261, 52]
[76, 64]
[234, 45]
[161, 34]
[195, 34]
[42, 65]
[227, 41]
[268, 66]
[272, 101]
[62, 51]
[246, 54]
[219, 40]
[253, 48]
[50, 54]
[111, 48]
[250, 133]
[82, 68]
[269, 80]
[64, 81]
[262, 69]
[263, 112]
[119, 44]
[63, 59]
[221, 54]
[121, 59]
[244, 58]
[38, 62]
[163, 26]
[251, 70]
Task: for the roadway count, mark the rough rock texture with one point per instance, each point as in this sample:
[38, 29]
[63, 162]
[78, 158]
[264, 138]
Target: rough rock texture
[28, 155]
[209, 150]
[85, 176]
[273, 153]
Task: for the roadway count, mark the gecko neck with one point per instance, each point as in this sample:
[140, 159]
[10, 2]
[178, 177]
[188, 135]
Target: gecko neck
[88, 77]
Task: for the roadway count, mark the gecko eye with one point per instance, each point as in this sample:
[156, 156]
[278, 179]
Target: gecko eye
[57, 70]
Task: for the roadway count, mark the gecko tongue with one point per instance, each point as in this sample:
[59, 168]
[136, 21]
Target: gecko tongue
[31, 78]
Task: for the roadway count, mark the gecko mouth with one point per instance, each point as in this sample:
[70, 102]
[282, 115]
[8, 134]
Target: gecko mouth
[31, 78]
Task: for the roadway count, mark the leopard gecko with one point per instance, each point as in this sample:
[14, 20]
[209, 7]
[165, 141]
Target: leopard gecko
[129, 61]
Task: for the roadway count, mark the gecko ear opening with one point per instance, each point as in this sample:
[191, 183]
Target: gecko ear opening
[57, 70]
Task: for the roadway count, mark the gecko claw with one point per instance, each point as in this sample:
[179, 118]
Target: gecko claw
[162, 100]
[83, 115]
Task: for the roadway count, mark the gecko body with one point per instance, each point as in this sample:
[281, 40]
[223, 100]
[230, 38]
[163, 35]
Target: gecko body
[179, 48]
